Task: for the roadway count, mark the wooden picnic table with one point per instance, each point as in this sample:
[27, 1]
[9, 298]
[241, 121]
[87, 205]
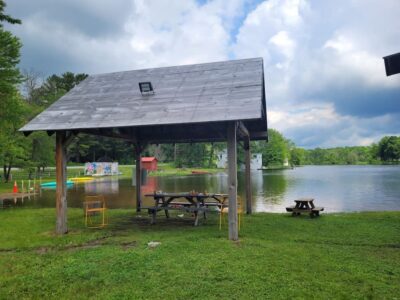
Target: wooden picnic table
[193, 202]
[304, 205]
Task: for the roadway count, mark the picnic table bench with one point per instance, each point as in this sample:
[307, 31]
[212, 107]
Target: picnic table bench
[194, 203]
[304, 205]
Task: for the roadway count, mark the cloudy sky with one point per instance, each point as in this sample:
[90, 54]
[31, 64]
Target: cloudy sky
[325, 77]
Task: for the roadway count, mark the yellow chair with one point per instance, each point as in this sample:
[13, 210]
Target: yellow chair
[224, 209]
[94, 205]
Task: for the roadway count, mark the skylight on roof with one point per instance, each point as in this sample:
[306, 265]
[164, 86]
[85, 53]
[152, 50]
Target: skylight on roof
[146, 88]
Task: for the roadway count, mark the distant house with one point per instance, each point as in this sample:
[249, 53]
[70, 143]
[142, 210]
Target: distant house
[149, 163]
[286, 163]
[222, 159]
[255, 163]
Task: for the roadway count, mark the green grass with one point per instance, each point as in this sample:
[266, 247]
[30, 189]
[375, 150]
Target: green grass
[342, 256]
[6, 187]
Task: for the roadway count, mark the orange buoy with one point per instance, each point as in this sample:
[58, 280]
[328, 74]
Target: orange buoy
[15, 189]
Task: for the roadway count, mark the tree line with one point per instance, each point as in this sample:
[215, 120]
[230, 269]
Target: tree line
[23, 95]
[387, 150]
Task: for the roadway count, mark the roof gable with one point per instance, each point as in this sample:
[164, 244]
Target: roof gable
[148, 159]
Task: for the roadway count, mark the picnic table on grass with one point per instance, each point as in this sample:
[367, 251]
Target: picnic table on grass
[304, 205]
[189, 202]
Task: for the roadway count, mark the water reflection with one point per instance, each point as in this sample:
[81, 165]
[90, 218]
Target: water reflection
[104, 186]
[14, 201]
[337, 188]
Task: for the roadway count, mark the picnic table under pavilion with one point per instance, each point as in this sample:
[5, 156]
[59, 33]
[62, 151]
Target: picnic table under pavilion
[192, 202]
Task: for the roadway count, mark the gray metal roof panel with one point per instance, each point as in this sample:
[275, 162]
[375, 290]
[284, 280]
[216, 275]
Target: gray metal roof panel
[221, 91]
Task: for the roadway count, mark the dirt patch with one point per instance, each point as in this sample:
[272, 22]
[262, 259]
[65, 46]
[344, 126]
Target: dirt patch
[102, 241]
[88, 245]
[237, 243]
[8, 250]
[42, 250]
[128, 245]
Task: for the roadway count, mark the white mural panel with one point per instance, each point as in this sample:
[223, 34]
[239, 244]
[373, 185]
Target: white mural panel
[101, 168]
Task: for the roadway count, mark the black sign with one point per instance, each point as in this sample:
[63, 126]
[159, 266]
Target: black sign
[392, 64]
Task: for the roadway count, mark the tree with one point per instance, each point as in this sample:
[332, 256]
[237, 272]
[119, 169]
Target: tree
[374, 152]
[6, 18]
[276, 150]
[13, 146]
[191, 155]
[30, 86]
[40, 97]
[317, 156]
[297, 156]
[53, 88]
[42, 151]
[9, 57]
[12, 111]
[389, 148]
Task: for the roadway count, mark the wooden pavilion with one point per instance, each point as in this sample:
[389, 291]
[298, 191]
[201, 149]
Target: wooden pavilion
[211, 102]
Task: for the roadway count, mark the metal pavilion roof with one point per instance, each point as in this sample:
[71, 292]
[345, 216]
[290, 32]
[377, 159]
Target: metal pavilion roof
[190, 94]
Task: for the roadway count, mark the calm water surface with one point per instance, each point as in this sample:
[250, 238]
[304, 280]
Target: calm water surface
[337, 188]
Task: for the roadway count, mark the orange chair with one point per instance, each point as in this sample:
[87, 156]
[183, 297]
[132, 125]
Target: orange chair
[95, 205]
[224, 209]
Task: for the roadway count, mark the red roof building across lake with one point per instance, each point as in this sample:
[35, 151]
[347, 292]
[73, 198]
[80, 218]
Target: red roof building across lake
[149, 163]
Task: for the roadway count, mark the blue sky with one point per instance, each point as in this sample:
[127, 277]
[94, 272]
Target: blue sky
[325, 77]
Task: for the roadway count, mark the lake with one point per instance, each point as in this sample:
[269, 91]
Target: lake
[337, 188]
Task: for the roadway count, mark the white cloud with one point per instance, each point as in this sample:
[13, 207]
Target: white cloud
[323, 59]
[271, 21]
[284, 43]
[341, 44]
[156, 33]
[180, 34]
[352, 61]
[318, 74]
[319, 125]
[311, 114]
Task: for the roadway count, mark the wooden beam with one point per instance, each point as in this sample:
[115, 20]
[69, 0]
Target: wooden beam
[248, 176]
[185, 134]
[69, 137]
[232, 182]
[242, 131]
[138, 152]
[61, 189]
[110, 132]
[260, 135]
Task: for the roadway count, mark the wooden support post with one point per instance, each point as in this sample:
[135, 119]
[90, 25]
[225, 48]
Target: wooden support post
[138, 152]
[248, 176]
[61, 189]
[232, 182]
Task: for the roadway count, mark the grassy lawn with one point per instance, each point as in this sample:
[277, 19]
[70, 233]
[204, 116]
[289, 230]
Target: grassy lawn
[6, 187]
[342, 256]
